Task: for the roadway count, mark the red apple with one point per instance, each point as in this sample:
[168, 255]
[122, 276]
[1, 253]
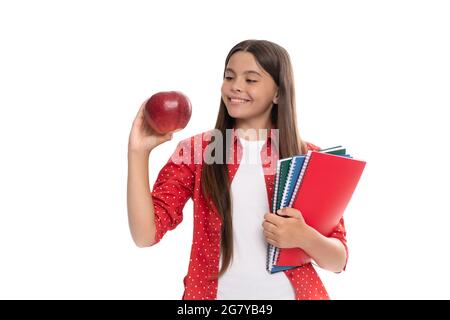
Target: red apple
[168, 111]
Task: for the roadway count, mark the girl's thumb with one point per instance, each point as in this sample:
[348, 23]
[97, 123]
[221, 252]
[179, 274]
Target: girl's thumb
[165, 137]
[290, 212]
[157, 140]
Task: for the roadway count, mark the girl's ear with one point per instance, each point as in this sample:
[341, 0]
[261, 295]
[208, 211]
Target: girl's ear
[275, 98]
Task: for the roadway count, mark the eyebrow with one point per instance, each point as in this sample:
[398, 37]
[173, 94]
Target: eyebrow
[245, 72]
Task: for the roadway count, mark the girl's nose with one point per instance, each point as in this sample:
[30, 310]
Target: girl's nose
[236, 86]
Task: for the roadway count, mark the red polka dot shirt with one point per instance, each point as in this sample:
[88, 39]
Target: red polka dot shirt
[179, 180]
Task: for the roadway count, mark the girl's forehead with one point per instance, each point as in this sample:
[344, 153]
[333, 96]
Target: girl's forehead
[243, 59]
[244, 62]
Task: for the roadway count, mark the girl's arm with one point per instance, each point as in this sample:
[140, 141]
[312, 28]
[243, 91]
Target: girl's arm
[328, 253]
[141, 217]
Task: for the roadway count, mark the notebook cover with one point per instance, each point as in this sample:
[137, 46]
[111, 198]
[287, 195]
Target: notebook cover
[324, 192]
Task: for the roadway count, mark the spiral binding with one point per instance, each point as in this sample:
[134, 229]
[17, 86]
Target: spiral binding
[300, 178]
[283, 204]
[272, 251]
[271, 248]
[288, 184]
[274, 204]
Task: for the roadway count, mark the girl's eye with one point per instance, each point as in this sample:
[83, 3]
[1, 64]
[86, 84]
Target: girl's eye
[248, 80]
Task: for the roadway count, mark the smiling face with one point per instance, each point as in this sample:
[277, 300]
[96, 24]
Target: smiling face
[248, 91]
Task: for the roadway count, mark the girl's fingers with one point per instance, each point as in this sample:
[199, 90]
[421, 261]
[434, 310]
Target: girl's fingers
[272, 242]
[267, 225]
[169, 136]
[268, 234]
[143, 105]
[164, 138]
[154, 139]
[140, 114]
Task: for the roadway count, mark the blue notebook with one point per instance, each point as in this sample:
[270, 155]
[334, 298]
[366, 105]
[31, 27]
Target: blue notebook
[286, 182]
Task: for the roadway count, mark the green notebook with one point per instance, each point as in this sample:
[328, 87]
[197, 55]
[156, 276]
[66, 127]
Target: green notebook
[282, 174]
[338, 150]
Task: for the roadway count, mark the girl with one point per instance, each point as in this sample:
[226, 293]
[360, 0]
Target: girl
[232, 223]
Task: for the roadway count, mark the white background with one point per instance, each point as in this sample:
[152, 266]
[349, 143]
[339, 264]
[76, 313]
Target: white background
[371, 75]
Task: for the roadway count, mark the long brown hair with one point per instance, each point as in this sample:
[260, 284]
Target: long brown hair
[215, 180]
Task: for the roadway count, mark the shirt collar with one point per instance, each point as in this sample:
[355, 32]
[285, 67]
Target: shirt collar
[271, 136]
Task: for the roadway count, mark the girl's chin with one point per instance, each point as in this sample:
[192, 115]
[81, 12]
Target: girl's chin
[237, 108]
[237, 114]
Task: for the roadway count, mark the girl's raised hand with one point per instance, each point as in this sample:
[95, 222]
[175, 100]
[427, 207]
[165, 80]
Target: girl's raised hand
[143, 138]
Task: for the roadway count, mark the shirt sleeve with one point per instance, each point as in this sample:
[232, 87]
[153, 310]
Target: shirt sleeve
[172, 189]
[340, 233]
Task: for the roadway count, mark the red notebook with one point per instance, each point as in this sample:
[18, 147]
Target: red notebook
[326, 185]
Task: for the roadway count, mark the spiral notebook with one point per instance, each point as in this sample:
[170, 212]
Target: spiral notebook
[320, 185]
[283, 166]
[289, 170]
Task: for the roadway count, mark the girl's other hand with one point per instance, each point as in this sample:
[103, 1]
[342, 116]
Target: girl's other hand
[287, 230]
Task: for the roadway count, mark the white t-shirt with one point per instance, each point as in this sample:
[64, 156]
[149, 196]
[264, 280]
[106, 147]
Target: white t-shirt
[247, 277]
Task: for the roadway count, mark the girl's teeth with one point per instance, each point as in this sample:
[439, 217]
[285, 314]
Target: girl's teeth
[238, 100]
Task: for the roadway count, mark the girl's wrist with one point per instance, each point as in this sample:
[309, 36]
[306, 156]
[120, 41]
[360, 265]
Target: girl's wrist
[136, 149]
[309, 238]
[138, 153]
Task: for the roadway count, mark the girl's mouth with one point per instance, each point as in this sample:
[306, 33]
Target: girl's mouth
[237, 101]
